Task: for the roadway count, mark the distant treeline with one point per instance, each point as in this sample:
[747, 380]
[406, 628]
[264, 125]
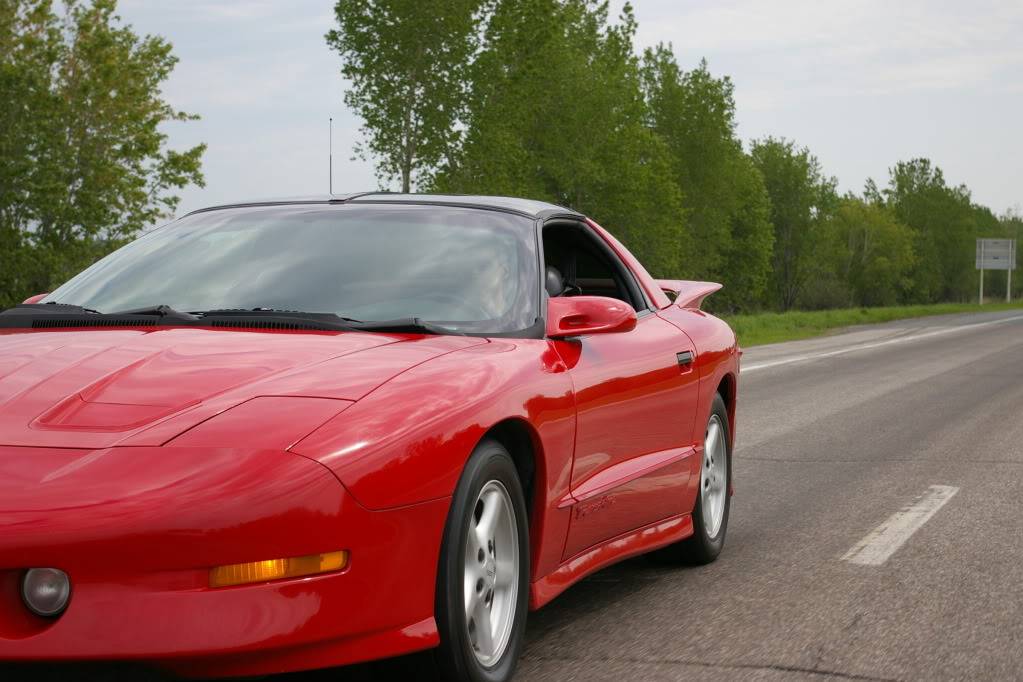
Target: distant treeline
[549, 99]
[545, 99]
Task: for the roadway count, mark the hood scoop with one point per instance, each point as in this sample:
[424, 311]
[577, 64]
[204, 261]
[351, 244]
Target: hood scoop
[133, 387]
[76, 413]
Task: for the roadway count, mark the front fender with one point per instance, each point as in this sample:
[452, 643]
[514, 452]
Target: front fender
[407, 441]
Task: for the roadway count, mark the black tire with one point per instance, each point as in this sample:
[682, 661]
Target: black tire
[700, 547]
[455, 658]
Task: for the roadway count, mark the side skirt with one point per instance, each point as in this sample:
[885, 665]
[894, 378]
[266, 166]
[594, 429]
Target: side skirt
[639, 541]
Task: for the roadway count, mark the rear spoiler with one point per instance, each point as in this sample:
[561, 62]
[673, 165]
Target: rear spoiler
[687, 294]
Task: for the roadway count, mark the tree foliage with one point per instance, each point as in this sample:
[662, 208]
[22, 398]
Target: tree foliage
[865, 257]
[407, 61]
[84, 164]
[945, 228]
[803, 199]
[556, 112]
[727, 206]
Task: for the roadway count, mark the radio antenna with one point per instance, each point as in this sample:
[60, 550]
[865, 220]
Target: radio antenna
[330, 157]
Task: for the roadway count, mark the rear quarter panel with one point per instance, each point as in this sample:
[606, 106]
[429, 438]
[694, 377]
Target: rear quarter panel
[717, 358]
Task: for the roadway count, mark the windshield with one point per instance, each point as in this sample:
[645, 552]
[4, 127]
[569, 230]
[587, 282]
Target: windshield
[465, 269]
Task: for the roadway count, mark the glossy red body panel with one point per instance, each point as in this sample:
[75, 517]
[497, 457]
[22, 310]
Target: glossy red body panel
[409, 439]
[140, 560]
[646, 496]
[578, 315]
[686, 293]
[639, 541]
[717, 362]
[276, 419]
[137, 459]
[633, 400]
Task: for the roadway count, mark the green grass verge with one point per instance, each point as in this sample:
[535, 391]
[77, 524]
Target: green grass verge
[754, 330]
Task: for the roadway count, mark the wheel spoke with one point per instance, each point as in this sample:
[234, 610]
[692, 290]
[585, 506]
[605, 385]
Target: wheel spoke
[472, 598]
[710, 447]
[506, 575]
[472, 549]
[483, 628]
[487, 524]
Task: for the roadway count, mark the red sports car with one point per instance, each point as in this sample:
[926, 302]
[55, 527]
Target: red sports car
[303, 433]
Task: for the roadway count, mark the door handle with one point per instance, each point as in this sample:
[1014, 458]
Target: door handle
[685, 359]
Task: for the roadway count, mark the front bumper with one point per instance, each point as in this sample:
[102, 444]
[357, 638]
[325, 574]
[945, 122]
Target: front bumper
[137, 530]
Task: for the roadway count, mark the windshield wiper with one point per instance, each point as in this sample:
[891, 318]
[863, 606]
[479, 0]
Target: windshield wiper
[77, 309]
[52, 315]
[405, 325]
[164, 312]
[50, 309]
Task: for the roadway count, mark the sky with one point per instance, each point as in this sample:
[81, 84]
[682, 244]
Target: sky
[861, 83]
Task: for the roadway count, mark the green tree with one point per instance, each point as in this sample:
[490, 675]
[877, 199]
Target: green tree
[84, 164]
[749, 254]
[727, 207]
[875, 253]
[945, 229]
[556, 112]
[407, 61]
[802, 201]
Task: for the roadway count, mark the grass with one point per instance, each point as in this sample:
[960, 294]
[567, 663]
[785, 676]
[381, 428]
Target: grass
[761, 328]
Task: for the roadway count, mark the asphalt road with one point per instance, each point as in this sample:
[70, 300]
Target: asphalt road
[876, 532]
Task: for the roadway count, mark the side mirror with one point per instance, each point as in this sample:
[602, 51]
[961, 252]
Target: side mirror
[34, 299]
[579, 315]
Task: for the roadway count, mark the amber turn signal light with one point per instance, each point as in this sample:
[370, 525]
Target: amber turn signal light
[277, 569]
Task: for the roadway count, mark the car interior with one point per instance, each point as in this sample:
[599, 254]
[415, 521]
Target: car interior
[577, 265]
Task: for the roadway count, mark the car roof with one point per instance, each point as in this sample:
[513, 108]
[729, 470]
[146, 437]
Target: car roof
[525, 207]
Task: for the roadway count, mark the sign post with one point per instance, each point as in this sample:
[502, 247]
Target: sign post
[980, 245]
[1008, 274]
[996, 254]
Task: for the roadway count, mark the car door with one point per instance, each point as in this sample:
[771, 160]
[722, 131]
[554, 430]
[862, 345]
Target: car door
[636, 395]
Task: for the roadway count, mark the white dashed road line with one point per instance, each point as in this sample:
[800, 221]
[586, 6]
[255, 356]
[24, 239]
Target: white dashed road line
[882, 542]
[877, 344]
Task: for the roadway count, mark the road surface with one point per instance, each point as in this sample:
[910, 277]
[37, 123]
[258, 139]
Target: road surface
[876, 532]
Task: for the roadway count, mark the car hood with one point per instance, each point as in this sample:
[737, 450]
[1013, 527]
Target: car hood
[99, 388]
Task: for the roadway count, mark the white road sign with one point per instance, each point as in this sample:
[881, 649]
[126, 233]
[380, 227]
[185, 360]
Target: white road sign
[996, 254]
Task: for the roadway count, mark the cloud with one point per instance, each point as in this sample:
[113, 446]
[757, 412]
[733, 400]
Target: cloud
[863, 47]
